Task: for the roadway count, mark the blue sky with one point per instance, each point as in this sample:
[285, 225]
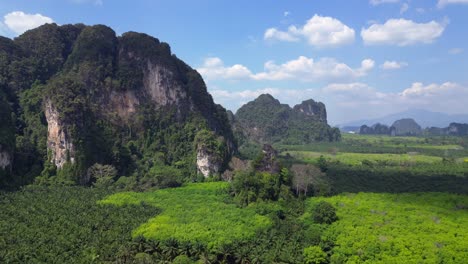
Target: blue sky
[363, 59]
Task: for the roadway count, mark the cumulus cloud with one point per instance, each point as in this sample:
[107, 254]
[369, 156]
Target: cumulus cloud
[443, 3]
[393, 65]
[19, 22]
[213, 68]
[402, 32]
[301, 69]
[379, 2]
[319, 31]
[273, 33]
[419, 90]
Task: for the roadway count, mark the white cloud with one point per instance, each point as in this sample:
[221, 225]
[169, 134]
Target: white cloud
[393, 65]
[213, 68]
[273, 33]
[404, 8]
[443, 3]
[418, 90]
[379, 2]
[300, 69]
[20, 22]
[402, 32]
[286, 13]
[455, 51]
[319, 31]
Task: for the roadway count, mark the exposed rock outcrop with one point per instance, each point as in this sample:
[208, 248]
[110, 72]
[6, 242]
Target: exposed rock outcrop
[5, 159]
[265, 120]
[313, 109]
[59, 142]
[208, 163]
[454, 129]
[376, 129]
[269, 160]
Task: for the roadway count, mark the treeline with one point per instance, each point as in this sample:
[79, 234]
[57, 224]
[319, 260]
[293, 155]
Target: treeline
[428, 178]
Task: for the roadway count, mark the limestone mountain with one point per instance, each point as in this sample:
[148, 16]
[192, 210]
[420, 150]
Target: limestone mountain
[82, 95]
[266, 120]
[405, 127]
[376, 129]
[454, 129]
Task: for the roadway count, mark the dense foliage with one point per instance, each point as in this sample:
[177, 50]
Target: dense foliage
[361, 164]
[81, 72]
[66, 225]
[266, 120]
[196, 212]
[398, 228]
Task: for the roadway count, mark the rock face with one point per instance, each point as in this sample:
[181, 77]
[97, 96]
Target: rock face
[265, 120]
[269, 161]
[59, 142]
[405, 127]
[376, 129]
[457, 129]
[313, 109]
[454, 129]
[5, 159]
[7, 128]
[207, 162]
[110, 99]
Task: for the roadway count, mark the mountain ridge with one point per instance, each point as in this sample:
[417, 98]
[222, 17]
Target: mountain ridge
[423, 117]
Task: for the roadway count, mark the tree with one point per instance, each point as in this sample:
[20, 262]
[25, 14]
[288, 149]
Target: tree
[309, 180]
[102, 174]
[324, 213]
[314, 255]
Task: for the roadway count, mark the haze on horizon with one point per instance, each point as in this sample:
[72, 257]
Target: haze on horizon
[363, 59]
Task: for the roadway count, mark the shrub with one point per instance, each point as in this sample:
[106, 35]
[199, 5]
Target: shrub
[324, 213]
[314, 255]
[102, 174]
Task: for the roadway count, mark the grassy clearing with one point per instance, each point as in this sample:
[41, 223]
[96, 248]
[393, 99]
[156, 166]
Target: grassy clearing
[195, 213]
[357, 158]
[398, 228]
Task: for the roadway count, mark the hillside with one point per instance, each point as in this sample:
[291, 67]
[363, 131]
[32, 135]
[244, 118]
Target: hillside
[80, 95]
[266, 120]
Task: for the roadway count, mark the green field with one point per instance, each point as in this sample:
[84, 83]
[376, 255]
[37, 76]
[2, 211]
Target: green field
[398, 228]
[449, 147]
[357, 158]
[194, 213]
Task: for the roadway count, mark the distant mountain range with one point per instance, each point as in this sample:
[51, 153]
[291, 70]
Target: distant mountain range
[423, 117]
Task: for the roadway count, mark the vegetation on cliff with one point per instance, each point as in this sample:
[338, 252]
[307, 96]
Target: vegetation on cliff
[120, 101]
[266, 120]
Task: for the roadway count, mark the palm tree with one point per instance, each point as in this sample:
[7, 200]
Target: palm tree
[171, 248]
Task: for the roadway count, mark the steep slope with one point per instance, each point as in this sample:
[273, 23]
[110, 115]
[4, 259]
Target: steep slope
[454, 129]
[86, 96]
[405, 127]
[266, 120]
